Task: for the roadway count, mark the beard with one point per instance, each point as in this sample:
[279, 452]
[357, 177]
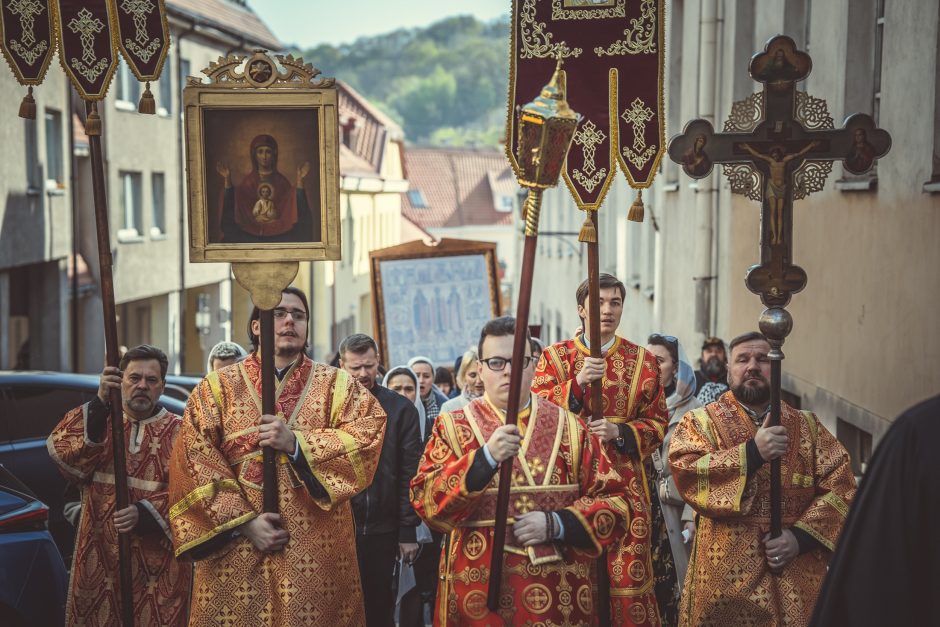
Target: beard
[715, 368]
[752, 391]
[141, 405]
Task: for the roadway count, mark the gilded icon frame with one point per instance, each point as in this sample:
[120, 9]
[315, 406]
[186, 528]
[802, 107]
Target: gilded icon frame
[249, 96]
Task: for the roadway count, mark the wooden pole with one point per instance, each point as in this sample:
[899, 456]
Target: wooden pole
[597, 403]
[519, 350]
[776, 496]
[268, 386]
[112, 358]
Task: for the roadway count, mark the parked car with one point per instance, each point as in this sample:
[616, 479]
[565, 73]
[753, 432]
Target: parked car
[180, 386]
[31, 405]
[33, 579]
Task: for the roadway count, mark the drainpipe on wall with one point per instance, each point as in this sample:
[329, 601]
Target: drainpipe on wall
[181, 355]
[76, 233]
[705, 188]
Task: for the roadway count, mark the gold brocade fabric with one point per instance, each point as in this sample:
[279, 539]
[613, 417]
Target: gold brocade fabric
[160, 583]
[215, 486]
[560, 466]
[631, 395]
[728, 582]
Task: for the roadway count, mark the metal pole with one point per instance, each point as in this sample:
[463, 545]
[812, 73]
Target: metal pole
[268, 407]
[519, 350]
[112, 358]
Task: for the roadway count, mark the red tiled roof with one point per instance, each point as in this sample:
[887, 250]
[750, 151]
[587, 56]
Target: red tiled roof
[228, 16]
[460, 186]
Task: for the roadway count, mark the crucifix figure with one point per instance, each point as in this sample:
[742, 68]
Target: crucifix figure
[778, 147]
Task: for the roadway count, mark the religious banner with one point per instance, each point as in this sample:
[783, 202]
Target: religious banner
[84, 29]
[143, 36]
[27, 43]
[613, 58]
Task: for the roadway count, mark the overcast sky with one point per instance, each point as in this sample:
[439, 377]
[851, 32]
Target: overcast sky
[314, 22]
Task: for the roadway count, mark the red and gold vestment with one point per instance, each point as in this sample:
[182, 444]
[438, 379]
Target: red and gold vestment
[632, 396]
[560, 466]
[216, 486]
[728, 581]
[160, 583]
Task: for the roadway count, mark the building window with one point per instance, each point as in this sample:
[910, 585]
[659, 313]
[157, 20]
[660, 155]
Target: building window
[132, 205]
[55, 167]
[158, 205]
[857, 443]
[417, 199]
[33, 167]
[866, 21]
[127, 88]
[165, 93]
[933, 185]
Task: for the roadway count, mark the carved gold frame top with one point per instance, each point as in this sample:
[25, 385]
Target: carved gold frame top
[261, 70]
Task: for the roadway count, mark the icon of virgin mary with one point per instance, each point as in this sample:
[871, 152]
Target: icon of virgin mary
[264, 207]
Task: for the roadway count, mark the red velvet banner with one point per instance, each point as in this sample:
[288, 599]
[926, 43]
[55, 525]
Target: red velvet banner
[85, 48]
[613, 59]
[26, 38]
[143, 35]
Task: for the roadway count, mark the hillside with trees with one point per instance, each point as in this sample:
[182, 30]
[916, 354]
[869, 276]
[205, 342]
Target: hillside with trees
[445, 84]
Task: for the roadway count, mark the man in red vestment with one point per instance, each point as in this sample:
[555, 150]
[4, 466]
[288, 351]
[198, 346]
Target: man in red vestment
[633, 425]
[566, 501]
[81, 445]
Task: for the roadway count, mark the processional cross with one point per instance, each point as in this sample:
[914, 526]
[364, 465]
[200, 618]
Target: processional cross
[778, 147]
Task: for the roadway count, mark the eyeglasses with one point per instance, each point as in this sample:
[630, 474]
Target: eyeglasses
[296, 314]
[498, 364]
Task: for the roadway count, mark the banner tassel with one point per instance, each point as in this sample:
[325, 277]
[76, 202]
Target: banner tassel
[588, 232]
[637, 208]
[93, 121]
[28, 106]
[147, 103]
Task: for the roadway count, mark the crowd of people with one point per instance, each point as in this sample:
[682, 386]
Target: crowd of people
[656, 513]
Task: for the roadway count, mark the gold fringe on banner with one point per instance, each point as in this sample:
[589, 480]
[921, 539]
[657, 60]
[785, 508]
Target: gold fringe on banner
[93, 121]
[147, 103]
[636, 209]
[28, 106]
[588, 232]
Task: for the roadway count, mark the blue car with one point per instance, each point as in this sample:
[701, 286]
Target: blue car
[31, 405]
[33, 580]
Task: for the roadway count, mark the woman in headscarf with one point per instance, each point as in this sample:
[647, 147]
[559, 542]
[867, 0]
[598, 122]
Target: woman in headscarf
[469, 381]
[403, 380]
[672, 520]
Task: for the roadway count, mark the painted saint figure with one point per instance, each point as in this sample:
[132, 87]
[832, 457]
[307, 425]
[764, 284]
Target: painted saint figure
[696, 161]
[776, 189]
[862, 153]
[265, 207]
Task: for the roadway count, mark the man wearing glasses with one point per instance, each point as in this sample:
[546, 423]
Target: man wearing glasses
[300, 565]
[566, 499]
[633, 426]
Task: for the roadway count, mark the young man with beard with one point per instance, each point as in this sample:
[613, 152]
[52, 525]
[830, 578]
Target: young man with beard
[737, 573]
[713, 365]
[297, 567]
[385, 520]
[81, 445]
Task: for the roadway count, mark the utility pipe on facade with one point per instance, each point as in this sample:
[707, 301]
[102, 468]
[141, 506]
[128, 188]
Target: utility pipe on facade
[705, 188]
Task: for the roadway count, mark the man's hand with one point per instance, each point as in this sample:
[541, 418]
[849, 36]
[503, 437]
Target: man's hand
[504, 443]
[780, 551]
[604, 429]
[265, 533]
[110, 380]
[408, 551]
[592, 370]
[531, 529]
[771, 441]
[273, 432]
[127, 518]
[690, 527]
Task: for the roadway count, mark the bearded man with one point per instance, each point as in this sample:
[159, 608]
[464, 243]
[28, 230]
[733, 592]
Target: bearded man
[737, 573]
[713, 365]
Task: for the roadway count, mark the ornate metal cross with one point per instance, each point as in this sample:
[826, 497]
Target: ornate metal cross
[778, 146]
